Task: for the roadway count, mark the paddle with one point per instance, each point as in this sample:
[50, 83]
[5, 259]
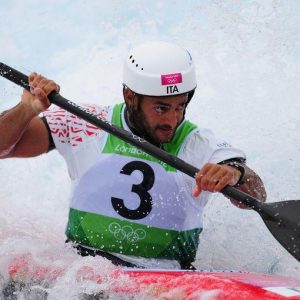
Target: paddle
[281, 218]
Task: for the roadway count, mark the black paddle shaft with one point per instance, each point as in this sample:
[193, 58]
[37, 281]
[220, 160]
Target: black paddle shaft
[55, 98]
[276, 215]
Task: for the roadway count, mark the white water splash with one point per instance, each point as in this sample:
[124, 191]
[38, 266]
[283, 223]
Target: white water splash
[247, 57]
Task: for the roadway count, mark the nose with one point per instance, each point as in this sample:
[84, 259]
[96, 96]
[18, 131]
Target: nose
[173, 117]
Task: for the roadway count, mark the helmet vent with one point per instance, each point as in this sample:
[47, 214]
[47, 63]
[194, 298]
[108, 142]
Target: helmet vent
[133, 60]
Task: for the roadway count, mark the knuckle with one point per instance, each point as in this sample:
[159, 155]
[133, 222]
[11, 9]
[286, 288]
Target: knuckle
[199, 176]
[209, 165]
[44, 80]
[225, 178]
[204, 181]
[38, 77]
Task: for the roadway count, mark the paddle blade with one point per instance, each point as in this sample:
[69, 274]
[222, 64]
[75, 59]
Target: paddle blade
[283, 221]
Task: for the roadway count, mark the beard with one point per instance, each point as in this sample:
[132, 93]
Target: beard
[144, 129]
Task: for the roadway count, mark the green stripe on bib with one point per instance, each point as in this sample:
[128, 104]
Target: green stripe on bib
[119, 236]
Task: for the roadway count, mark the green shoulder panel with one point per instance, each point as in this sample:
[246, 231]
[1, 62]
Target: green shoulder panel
[117, 115]
[181, 134]
[117, 146]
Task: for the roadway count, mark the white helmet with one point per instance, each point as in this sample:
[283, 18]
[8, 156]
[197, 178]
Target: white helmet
[159, 69]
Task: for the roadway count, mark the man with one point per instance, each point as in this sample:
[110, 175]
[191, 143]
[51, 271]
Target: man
[125, 204]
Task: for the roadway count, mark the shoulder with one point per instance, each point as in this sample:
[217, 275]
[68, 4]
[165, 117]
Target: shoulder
[203, 145]
[204, 137]
[57, 113]
[66, 128]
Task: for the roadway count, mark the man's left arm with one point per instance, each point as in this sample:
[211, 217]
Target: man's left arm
[214, 177]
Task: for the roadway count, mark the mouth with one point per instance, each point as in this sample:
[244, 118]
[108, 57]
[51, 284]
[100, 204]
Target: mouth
[166, 132]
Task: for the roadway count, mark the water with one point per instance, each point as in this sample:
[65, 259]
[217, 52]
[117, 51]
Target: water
[247, 58]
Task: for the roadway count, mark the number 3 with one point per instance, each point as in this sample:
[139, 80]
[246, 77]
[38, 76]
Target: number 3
[141, 189]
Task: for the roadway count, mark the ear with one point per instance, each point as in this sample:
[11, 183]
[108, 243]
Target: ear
[130, 97]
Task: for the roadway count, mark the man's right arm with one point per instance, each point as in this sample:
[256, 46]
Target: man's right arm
[22, 132]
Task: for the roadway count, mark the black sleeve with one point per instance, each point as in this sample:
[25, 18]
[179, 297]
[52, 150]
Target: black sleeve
[51, 142]
[240, 160]
[238, 163]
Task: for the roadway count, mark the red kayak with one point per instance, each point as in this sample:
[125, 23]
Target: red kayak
[165, 284]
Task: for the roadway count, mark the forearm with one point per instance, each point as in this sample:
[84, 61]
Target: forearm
[13, 124]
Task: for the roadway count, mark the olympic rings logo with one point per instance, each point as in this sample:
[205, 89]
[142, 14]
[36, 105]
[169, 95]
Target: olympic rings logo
[126, 233]
[139, 139]
[174, 80]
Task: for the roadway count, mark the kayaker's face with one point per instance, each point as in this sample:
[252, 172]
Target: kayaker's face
[160, 116]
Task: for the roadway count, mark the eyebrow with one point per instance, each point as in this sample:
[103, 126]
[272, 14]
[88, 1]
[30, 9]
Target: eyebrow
[161, 103]
[158, 102]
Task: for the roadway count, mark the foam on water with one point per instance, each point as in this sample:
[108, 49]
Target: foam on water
[247, 58]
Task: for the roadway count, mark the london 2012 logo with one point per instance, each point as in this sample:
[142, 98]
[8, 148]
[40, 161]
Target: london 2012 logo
[167, 79]
[126, 233]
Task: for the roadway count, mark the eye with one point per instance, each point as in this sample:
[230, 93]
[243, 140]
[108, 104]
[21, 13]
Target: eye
[160, 108]
[180, 107]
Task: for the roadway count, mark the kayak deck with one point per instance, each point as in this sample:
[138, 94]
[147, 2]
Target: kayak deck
[23, 271]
